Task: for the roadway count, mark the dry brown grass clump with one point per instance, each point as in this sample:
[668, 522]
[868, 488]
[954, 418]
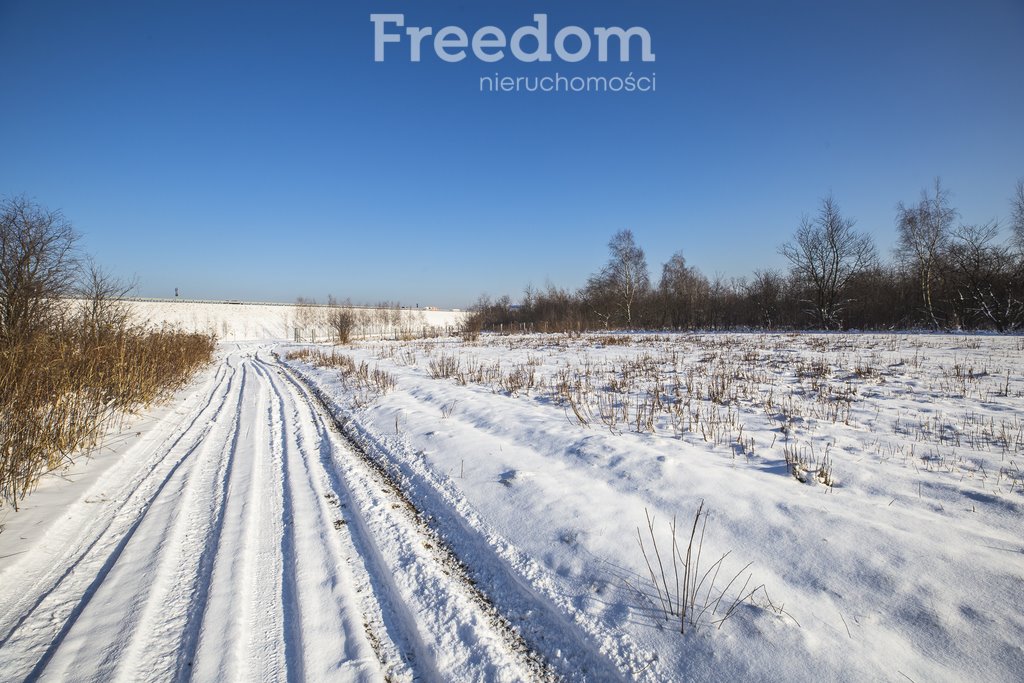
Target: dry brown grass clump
[60, 390]
[367, 384]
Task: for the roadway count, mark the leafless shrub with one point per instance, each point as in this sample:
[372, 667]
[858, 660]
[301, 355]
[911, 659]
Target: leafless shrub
[341, 319]
[471, 326]
[443, 367]
[101, 296]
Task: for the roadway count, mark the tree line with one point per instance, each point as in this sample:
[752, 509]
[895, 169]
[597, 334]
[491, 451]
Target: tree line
[943, 274]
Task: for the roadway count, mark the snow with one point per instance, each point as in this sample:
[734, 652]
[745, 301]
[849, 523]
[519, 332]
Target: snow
[244, 321]
[903, 567]
[280, 519]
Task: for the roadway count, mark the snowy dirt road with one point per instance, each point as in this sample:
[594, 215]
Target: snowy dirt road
[243, 538]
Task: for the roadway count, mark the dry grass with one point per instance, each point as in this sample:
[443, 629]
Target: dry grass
[688, 593]
[367, 384]
[791, 393]
[61, 390]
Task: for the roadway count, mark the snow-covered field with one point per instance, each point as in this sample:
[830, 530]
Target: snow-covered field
[244, 321]
[436, 510]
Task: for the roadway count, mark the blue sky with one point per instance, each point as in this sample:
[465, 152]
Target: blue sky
[256, 151]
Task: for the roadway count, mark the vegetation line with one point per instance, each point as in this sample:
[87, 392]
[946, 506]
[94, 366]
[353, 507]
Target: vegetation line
[944, 274]
[70, 372]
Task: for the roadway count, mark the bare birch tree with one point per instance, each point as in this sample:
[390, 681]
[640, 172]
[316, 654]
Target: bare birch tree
[623, 280]
[924, 231]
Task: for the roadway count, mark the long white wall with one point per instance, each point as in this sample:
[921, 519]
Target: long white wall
[265, 321]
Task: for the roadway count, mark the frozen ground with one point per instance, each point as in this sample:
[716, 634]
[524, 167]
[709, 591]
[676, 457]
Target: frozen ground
[436, 510]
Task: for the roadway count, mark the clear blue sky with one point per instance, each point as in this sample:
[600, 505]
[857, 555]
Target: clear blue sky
[256, 151]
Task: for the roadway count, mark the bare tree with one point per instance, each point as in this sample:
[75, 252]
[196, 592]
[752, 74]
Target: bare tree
[1017, 215]
[989, 278]
[38, 266]
[681, 291]
[924, 231]
[767, 291]
[555, 310]
[623, 280]
[472, 324]
[102, 296]
[826, 253]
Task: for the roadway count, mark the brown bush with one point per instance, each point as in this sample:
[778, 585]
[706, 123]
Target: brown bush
[60, 390]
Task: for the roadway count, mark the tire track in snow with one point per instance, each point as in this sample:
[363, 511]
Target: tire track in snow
[21, 586]
[319, 573]
[145, 591]
[455, 625]
[144, 609]
[46, 607]
[241, 627]
[388, 623]
[165, 638]
[504, 577]
[289, 590]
